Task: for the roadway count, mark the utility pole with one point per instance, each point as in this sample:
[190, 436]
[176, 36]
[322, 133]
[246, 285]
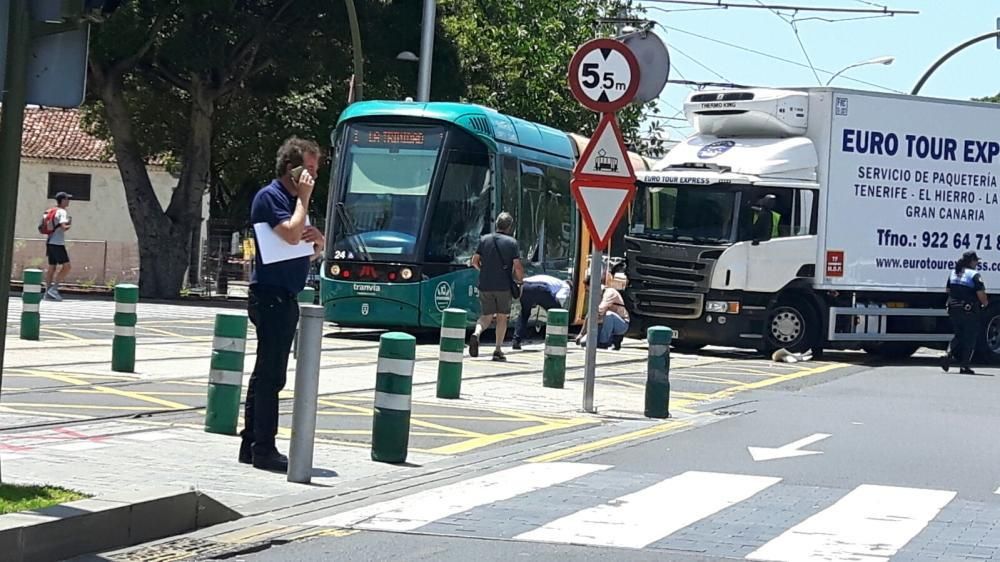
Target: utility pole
[11, 128]
[426, 50]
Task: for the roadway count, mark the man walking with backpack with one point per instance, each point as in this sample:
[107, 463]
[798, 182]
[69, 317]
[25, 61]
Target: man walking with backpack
[55, 222]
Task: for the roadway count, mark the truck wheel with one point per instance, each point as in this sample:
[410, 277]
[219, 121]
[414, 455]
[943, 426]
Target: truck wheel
[988, 347]
[790, 325]
[892, 350]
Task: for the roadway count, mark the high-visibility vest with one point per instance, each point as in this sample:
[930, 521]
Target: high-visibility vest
[775, 219]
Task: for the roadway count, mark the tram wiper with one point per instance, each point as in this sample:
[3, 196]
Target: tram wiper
[352, 233]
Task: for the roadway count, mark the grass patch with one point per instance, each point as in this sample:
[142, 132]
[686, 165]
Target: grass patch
[26, 498]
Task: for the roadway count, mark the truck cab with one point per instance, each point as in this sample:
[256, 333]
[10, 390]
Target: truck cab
[723, 239]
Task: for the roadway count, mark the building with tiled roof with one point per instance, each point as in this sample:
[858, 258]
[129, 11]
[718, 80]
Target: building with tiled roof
[57, 155]
[57, 134]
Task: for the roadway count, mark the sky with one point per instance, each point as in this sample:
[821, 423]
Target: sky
[916, 41]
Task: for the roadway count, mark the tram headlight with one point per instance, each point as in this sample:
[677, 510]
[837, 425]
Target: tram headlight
[406, 273]
[334, 270]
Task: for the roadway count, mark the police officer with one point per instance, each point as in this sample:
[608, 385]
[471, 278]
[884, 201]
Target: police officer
[966, 296]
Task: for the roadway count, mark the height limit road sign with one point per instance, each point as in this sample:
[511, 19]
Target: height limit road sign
[604, 75]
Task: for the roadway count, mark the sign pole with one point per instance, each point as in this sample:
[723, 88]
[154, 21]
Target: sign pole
[595, 296]
[11, 128]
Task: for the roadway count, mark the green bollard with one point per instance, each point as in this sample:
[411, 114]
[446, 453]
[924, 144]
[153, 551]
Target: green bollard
[449, 381]
[123, 344]
[225, 377]
[556, 337]
[658, 372]
[31, 298]
[393, 387]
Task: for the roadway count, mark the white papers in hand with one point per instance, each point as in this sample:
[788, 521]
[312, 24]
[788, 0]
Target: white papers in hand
[273, 248]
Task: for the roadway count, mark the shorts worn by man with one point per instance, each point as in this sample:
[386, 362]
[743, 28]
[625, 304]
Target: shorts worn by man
[543, 291]
[498, 260]
[283, 205]
[55, 246]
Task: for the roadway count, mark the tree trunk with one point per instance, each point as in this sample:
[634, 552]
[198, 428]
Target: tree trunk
[164, 237]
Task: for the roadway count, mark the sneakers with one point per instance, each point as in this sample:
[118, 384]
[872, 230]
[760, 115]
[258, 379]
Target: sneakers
[499, 356]
[53, 293]
[473, 345]
[516, 345]
[966, 371]
[946, 363]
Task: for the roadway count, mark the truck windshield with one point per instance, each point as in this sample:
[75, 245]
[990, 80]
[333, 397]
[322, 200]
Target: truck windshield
[697, 214]
[387, 179]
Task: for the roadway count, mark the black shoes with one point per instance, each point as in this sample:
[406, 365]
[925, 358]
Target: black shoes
[246, 452]
[616, 342]
[946, 363]
[966, 371]
[473, 345]
[499, 356]
[275, 461]
[517, 345]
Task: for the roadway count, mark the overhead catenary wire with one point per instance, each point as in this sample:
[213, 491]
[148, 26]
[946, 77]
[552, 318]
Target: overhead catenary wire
[727, 5]
[775, 57]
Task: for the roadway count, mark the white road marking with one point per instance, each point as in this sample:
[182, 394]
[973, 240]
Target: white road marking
[416, 510]
[644, 517]
[870, 524]
[790, 450]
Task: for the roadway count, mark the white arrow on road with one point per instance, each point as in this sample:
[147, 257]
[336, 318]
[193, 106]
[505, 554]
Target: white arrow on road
[792, 449]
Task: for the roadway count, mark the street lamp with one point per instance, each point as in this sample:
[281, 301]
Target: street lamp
[880, 60]
[426, 50]
[407, 56]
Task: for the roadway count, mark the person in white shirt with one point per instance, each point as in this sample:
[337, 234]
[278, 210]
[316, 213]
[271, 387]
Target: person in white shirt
[539, 290]
[55, 247]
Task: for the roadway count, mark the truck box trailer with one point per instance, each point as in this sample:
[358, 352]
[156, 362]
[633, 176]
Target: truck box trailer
[817, 218]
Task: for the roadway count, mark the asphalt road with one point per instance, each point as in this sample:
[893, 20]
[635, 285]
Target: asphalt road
[885, 463]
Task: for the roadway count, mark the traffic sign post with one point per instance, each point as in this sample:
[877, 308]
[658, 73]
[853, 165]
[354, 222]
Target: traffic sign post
[604, 77]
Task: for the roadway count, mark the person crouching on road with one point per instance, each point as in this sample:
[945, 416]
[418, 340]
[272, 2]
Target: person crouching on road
[966, 297]
[612, 319]
[539, 290]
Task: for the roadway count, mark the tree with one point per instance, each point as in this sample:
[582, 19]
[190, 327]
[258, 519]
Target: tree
[212, 87]
[513, 55]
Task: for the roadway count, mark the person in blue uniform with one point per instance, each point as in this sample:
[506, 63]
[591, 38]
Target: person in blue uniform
[966, 297]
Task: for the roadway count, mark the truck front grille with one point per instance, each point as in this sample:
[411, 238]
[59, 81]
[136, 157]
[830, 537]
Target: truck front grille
[667, 280]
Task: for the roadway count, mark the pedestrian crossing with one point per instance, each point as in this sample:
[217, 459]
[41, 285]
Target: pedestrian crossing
[71, 310]
[738, 516]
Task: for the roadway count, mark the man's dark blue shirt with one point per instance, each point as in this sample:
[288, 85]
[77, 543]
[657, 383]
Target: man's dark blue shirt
[273, 204]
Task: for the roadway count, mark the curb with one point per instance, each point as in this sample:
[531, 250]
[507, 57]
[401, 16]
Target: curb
[106, 523]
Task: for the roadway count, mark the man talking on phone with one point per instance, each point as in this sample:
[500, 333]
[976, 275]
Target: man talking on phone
[283, 205]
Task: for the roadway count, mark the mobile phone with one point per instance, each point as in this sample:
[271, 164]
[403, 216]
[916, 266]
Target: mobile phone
[297, 173]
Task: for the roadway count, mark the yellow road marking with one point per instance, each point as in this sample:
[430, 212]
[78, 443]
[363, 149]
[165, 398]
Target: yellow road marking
[44, 414]
[256, 533]
[725, 393]
[174, 334]
[624, 383]
[657, 429]
[414, 420]
[369, 432]
[62, 334]
[156, 393]
[486, 440]
[75, 406]
[325, 533]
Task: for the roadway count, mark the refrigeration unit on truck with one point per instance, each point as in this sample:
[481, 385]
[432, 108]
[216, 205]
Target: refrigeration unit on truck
[817, 218]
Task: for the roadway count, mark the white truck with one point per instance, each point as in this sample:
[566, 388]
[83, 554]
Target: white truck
[817, 218]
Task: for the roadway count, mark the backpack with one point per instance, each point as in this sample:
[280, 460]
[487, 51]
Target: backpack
[48, 223]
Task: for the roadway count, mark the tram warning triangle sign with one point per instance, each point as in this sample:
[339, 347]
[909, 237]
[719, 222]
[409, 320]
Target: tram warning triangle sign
[602, 205]
[605, 156]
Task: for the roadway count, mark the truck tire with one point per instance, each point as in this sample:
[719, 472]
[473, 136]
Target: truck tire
[792, 325]
[894, 351]
[988, 346]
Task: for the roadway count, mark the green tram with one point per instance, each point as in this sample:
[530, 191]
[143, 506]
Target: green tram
[415, 185]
